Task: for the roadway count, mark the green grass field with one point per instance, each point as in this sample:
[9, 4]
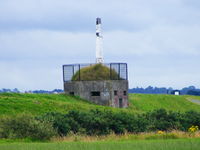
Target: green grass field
[36, 104]
[148, 102]
[180, 144]
[12, 104]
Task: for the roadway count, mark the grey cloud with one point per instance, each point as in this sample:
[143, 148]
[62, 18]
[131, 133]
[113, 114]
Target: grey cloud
[79, 15]
[41, 44]
[158, 39]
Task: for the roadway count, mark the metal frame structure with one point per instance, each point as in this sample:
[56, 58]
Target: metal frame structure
[70, 70]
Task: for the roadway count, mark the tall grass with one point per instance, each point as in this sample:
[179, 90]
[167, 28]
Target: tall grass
[127, 137]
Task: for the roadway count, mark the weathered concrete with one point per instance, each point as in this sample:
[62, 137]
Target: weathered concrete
[112, 92]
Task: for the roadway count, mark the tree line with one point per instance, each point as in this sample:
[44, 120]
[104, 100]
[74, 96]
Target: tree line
[191, 90]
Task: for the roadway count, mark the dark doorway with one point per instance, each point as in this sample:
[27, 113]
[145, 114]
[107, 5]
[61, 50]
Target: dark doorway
[120, 103]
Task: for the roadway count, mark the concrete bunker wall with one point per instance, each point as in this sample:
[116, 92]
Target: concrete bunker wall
[107, 92]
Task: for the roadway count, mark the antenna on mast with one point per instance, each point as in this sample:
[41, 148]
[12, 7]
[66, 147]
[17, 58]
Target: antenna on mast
[99, 39]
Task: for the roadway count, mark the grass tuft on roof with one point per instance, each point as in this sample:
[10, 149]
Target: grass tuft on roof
[95, 72]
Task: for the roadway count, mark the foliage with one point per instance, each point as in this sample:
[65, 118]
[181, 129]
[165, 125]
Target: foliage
[102, 122]
[191, 90]
[189, 119]
[95, 72]
[25, 126]
[67, 114]
[194, 92]
[95, 122]
[162, 120]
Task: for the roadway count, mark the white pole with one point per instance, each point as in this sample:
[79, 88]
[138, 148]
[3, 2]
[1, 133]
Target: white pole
[99, 39]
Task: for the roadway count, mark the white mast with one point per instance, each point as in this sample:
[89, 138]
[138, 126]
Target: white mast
[99, 39]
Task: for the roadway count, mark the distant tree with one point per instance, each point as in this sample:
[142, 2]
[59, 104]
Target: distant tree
[193, 92]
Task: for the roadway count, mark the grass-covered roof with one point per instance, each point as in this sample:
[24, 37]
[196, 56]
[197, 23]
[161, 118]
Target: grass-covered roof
[95, 72]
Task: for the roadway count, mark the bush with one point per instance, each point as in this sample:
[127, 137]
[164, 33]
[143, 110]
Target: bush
[25, 126]
[102, 122]
[190, 118]
[163, 120]
[91, 123]
[138, 124]
[95, 122]
[59, 122]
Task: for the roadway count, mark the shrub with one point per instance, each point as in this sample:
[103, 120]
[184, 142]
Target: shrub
[102, 122]
[190, 118]
[163, 120]
[25, 126]
[73, 121]
[138, 124]
[96, 122]
[59, 122]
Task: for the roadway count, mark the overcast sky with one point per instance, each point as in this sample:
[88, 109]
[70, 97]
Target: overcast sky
[159, 39]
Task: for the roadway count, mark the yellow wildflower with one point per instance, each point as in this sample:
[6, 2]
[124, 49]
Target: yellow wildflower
[193, 129]
[160, 132]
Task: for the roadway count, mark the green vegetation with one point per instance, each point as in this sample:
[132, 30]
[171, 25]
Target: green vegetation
[25, 126]
[95, 122]
[95, 72]
[181, 144]
[148, 102]
[44, 117]
[36, 104]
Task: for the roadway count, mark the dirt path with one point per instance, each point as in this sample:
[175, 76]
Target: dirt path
[194, 101]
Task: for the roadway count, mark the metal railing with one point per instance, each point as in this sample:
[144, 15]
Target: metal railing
[113, 71]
